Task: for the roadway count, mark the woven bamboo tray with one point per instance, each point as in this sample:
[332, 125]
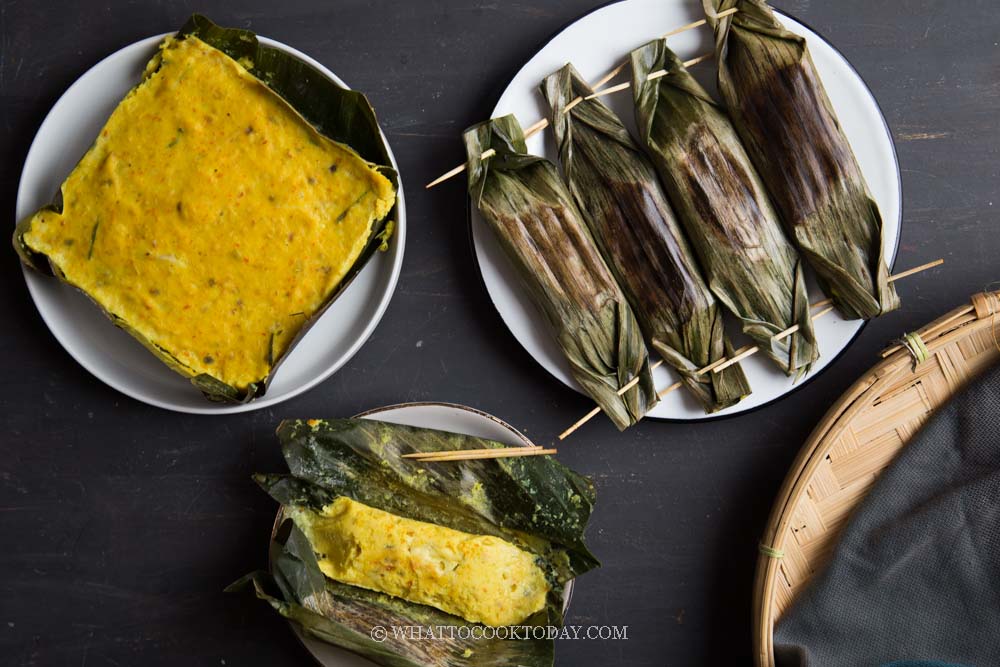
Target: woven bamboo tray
[854, 442]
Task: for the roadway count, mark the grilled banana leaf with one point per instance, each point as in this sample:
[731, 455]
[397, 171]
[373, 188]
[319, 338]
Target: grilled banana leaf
[617, 189]
[534, 503]
[750, 266]
[781, 110]
[523, 199]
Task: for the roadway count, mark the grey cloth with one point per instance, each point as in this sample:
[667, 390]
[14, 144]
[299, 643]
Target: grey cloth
[916, 575]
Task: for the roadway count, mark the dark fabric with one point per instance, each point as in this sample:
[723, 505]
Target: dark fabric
[916, 575]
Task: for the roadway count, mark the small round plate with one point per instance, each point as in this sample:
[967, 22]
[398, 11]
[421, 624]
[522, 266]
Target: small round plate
[111, 354]
[444, 417]
[595, 44]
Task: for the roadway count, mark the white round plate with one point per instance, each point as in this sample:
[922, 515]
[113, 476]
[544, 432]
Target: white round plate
[114, 356]
[443, 417]
[595, 44]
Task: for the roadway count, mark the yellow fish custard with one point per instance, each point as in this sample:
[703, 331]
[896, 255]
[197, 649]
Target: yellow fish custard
[482, 578]
[209, 218]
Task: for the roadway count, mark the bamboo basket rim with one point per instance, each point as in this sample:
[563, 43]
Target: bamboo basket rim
[982, 312]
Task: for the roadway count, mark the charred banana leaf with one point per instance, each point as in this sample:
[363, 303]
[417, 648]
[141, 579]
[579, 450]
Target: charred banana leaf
[781, 110]
[750, 266]
[617, 189]
[525, 202]
[537, 504]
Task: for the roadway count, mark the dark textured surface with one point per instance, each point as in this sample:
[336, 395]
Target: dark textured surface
[121, 523]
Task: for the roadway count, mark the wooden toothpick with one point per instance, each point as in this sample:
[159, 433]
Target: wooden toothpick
[482, 453]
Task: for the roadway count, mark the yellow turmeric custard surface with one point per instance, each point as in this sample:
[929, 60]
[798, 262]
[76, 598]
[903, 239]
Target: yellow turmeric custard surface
[482, 578]
[210, 217]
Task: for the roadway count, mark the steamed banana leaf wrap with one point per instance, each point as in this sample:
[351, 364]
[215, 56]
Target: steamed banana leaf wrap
[524, 201]
[784, 117]
[228, 200]
[624, 206]
[721, 203]
[534, 503]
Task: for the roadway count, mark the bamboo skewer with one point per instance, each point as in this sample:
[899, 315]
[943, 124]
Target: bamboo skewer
[781, 335]
[676, 31]
[936, 327]
[540, 125]
[740, 354]
[745, 352]
[543, 123]
[698, 23]
[532, 130]
[659, 362]
[658, 74]
[607, 91]
[612, 74]
[483, 453]
[677, 385]
[580, 422]
[916, 269]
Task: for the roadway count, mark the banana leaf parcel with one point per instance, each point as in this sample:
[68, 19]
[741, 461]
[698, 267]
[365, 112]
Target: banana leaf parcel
[781, 110]
[750, 266]
[617, 189]
[229, 199]
[533, 502]
[523, 199]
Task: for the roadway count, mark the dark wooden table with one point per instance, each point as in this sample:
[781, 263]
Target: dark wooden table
[121, 523]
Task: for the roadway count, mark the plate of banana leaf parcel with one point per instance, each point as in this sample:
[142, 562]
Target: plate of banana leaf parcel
[477, 556]
[645, 209]
[210, 221]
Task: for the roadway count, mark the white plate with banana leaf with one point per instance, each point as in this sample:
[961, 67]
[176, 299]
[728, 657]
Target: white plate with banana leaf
[595, 44]
[441, 416]
[117, 358]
